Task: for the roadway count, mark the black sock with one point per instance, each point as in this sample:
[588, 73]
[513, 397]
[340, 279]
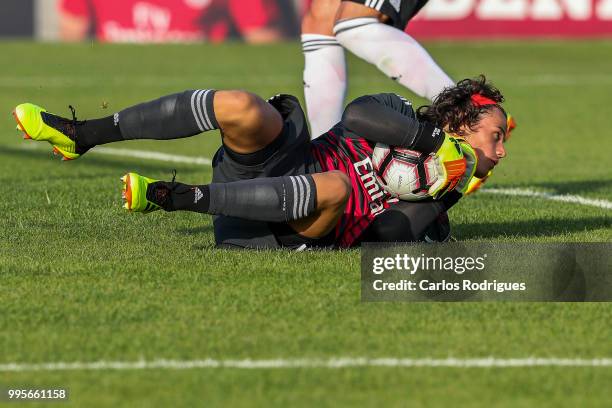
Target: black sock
[174, 196]
[170, 117]
[98, 131]
[272, 199]
[191, 198]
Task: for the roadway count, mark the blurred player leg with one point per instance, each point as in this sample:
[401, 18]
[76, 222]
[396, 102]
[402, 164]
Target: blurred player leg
[361, 30]
[324, 67]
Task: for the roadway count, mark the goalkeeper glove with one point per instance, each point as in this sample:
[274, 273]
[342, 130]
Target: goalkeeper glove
[471, 161]
[511, 122]
[451, 165]
[476, 183]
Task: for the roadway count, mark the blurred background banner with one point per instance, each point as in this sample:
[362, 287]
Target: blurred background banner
[175, 20]
[513, 18]
[273, 20]
[150, 21]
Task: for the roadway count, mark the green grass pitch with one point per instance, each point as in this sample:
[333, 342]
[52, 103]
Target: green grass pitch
[81, 280]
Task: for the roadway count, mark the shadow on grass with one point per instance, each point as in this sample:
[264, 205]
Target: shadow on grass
[204, 229]
[205, 247]
[530, 228]
[206, 232]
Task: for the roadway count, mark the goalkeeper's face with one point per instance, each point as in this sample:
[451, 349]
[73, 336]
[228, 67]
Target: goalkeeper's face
[487, 138]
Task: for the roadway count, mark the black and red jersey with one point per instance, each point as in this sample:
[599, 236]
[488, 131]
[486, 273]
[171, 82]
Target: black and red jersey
[348, 146]
[352, 156]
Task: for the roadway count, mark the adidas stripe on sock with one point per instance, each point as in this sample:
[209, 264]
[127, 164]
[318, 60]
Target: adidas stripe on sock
[202, 109]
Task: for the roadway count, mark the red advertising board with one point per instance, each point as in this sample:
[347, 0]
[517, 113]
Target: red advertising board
[513, 18]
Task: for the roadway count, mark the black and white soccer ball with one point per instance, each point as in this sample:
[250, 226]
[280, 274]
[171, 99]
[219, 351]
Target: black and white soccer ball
[403, 173]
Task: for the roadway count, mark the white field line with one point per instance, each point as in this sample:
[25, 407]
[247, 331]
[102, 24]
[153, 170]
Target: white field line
[565, 198]
[489, 362]
[175, 158]
[145, 154]
[138, 154]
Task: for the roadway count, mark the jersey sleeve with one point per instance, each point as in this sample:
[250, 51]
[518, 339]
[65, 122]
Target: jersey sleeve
[389, 118]
[77, 8]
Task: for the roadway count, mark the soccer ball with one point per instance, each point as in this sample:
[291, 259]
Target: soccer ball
[403, 173]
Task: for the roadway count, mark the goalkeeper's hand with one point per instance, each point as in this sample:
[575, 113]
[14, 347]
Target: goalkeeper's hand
[476, 183]
[456, 162]
[471, 161]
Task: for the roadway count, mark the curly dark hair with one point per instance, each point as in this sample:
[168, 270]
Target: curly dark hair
[453, 108]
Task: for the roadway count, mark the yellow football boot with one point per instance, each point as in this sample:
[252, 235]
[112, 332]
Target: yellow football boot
[37, 124]
[135, 193]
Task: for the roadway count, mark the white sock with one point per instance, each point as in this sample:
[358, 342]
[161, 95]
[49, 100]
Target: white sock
[324, 81]
[395, 53]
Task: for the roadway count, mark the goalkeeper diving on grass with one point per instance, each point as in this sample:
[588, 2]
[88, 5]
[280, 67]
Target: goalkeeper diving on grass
[272, 187]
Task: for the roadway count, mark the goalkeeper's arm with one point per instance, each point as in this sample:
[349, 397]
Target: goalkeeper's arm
[389, 119]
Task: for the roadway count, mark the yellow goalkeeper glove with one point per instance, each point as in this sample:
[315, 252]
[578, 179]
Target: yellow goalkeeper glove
[476, 183]
[471, 161]
[451, 164]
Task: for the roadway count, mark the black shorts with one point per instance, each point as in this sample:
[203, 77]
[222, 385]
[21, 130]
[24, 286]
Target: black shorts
[400, 12]
[287, 155]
